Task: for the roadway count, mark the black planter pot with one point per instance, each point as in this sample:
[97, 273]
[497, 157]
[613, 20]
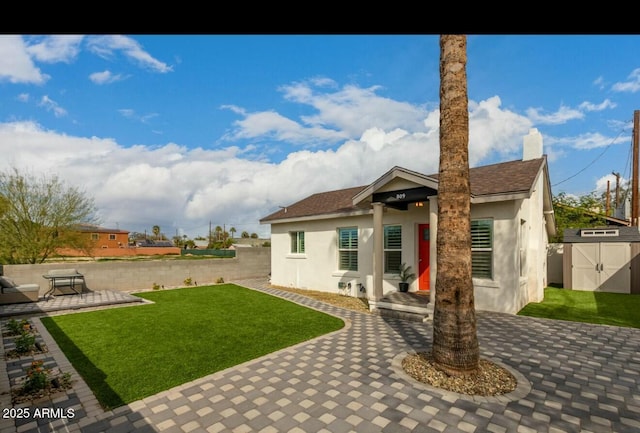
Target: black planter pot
[403, 287]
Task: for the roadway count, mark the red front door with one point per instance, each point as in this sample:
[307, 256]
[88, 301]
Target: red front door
[423, 257]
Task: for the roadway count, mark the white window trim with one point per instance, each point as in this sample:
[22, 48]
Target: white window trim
[491, 249]
[296, 253]
[356, 249]
[384, 250]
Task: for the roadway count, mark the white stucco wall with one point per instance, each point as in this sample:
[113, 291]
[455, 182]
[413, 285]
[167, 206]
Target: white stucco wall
[507, 291]
[317, 268]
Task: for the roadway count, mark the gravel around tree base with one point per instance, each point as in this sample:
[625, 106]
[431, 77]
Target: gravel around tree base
[490, 380]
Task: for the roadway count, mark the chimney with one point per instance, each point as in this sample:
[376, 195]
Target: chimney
[532, 145]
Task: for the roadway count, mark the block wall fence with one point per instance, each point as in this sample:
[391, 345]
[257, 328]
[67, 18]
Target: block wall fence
[130, 276]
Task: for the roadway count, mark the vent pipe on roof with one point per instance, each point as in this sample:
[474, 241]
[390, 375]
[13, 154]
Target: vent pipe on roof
[532, 145]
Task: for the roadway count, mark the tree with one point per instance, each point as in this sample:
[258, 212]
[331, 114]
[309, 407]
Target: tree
[40, 215]
[245, 234]
[156, 231]
[576, 212]
[455, 340]
[233, 231]
[218, 232]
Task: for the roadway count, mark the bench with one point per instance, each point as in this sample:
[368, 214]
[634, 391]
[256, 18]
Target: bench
[12, 293]
[64, 282]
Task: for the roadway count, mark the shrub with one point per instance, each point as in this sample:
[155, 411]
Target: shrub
[187, 281]
[18, 327]
[37, 377]
[25, 342]
[156, 286]
[220, 280]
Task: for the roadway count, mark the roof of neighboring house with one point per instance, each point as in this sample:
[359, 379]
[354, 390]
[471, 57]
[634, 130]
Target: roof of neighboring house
[89, 228]
[507, 178]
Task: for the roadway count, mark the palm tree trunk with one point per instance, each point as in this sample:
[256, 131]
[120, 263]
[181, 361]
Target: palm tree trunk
[455, 341]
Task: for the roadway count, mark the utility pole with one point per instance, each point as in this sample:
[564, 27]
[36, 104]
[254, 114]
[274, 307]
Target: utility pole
[634, 187]
[617, 175]
[608, 202]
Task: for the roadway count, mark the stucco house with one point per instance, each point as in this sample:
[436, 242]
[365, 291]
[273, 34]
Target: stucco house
[355, 239]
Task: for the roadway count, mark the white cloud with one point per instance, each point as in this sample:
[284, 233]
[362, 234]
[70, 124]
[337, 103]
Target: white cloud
[632, 84]
[105, 77]
[563, 115]
[56, 48]
[18, 55]
[52, 106]
[131, 114]
[16, 65]
[601, 185]
[588, 106]
[107, 46]
[344, 114]
[590, 140]
[494, 129]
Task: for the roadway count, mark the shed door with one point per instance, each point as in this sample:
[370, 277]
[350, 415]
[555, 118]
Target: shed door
[584, 273]
[602, 266]
[615, 273]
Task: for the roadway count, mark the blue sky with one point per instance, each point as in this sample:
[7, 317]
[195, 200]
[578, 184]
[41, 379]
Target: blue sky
[182, 131]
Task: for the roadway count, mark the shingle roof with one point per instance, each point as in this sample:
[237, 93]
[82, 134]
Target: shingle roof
[503, 178]
[340, 200]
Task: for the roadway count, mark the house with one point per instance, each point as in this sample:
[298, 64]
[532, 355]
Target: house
[103, 237]
[106, 242]
[355, 239]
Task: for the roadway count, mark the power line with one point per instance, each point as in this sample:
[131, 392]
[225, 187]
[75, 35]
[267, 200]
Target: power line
[592, 162]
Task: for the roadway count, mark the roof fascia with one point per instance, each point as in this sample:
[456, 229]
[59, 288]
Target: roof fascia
[547, 204]
[492, 198]
[320, 217]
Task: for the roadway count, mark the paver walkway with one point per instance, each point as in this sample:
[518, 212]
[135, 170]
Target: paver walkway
[572, 378]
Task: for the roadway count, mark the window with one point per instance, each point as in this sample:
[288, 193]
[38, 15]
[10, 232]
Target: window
[591, 233]
[348, 249]
[482, 248]
[95, 236]
[112, 237]
[297, 242]
[392, 249]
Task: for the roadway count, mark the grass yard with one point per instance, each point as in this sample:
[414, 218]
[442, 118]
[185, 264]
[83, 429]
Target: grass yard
[591, 307]
[125, 354]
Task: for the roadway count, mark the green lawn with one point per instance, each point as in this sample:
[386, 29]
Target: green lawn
[592, 307]
[125, 354]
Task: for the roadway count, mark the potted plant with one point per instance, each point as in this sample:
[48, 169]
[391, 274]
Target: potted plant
[406, 275]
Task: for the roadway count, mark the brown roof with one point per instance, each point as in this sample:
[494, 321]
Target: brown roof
[97, 229]
[502, 178]
[340, 200]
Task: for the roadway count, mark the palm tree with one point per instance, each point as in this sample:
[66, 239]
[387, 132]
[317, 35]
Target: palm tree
[455, 340]
[156, 231]
[233, 231]
[218, 232]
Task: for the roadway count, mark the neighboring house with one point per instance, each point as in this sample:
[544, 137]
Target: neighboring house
[104, 237]
[358, 237]
[114, 243]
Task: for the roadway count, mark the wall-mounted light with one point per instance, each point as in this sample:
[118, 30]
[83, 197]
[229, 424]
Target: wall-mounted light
[419, 204]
